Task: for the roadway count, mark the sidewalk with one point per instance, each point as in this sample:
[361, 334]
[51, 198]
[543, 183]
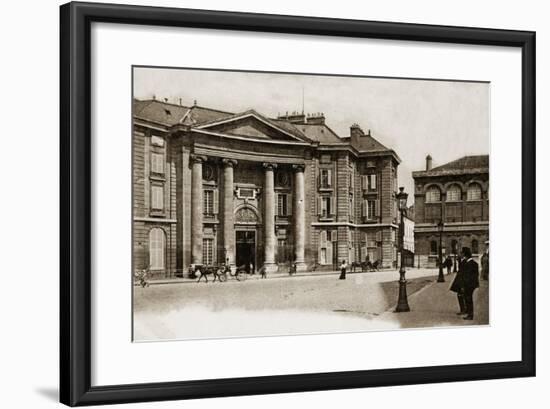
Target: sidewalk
[436, 306]
[392, 274]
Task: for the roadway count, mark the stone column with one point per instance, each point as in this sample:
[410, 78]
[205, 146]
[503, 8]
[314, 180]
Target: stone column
[196, 209]
[228, 211]
[299, 217]
[270, 241]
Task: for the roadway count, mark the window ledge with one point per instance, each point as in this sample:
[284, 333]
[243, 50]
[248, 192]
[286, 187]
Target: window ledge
[157, 176]
[157, 213]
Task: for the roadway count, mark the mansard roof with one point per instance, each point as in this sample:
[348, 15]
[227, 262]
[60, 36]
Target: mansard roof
[473, 164]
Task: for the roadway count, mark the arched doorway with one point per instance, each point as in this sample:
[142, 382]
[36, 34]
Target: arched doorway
[246, 238]
[246, 249]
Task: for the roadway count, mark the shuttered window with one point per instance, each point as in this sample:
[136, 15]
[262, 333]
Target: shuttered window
[157, 163]
[157, 197]
[372, 182]
[326, 206]
[326, 178]
[156, 249]
[325, 246]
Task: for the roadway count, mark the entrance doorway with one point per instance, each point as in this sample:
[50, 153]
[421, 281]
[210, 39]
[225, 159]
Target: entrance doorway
[246, 249]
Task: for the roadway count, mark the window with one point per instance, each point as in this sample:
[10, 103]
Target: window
[433, 247]
[325, 247]
[208, 251]
[433, 194]
[156, 249]
[454, 248]
[282, 204]
[475, 247]
[326, 210]
[326, 178]
[208, 202]
[157, 163]
[369, 209]
[157, 197]
[350, 210]
[372, 182]
[454, 193]
[474, 192]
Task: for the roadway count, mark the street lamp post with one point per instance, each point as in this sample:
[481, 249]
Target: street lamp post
[454, 258]
[402, 302]
[440, 226]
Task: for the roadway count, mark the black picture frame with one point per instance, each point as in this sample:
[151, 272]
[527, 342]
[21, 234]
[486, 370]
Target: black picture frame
[76, 198]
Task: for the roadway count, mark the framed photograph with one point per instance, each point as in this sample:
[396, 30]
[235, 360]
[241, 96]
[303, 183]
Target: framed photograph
[255, 204]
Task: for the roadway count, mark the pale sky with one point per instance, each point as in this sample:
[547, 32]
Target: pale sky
[446, 119]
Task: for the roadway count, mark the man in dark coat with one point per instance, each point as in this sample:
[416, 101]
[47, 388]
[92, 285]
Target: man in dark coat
[448, 263]
[458, 285]
[470, 282]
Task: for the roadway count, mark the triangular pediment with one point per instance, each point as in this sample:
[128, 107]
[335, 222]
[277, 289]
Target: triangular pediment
[252, 125]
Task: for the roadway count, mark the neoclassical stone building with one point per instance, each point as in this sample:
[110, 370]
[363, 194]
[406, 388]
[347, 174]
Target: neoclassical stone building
[456, 193]
[210, 186]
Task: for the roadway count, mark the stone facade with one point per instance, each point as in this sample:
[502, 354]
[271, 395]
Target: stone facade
[456, 193]
[210, 186]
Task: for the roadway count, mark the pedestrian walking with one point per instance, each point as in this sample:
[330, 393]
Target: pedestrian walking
[448, 264]
[470, 282]
[343, 267]
[458, 286]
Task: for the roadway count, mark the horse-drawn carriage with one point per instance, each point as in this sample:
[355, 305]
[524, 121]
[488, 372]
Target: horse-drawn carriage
[366, 266]
[219, 272]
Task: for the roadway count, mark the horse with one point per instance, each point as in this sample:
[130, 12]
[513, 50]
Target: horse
[205, 271]
[372, 266]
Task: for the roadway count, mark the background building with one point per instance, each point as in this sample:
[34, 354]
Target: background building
[458, 194]
[210, 185]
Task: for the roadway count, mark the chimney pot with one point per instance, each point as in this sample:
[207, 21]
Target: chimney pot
[429, 162]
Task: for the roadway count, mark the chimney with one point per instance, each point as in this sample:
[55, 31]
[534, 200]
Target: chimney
[295, 117]
[428, 162]
[316, 119]
[356, 132]
[180, 101]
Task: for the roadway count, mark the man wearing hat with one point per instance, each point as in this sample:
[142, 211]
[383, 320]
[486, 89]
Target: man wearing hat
[470, 281]
[457, 285]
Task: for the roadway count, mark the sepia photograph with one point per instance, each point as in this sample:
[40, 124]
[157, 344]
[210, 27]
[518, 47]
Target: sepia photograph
[273, 204]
